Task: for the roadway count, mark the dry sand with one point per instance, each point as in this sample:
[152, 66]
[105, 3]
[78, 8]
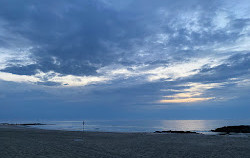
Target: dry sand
[17, 142]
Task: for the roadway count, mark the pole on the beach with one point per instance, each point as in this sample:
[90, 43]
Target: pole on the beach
[83, 128]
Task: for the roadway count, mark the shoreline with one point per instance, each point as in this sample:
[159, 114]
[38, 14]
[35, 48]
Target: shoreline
[210, 132]
[33, 142]
[133, 126]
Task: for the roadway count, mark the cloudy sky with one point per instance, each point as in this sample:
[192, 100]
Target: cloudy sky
[117, 59]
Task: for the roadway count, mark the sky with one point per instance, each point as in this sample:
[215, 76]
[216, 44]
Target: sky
[117, 59]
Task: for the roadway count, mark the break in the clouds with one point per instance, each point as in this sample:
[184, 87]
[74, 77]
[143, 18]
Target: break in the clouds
[188, 51]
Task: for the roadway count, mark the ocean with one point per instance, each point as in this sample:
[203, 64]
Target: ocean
[201, 126]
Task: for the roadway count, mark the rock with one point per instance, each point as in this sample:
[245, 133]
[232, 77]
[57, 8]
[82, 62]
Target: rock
[24, 124]
[31, 124]
[235, 129]
[184, 132]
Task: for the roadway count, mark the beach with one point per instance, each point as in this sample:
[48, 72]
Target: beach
[21, 142]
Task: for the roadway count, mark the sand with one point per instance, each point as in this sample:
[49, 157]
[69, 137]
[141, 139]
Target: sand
[17, 142]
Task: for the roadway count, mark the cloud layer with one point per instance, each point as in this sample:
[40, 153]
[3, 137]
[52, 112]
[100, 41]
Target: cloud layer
[187, 51]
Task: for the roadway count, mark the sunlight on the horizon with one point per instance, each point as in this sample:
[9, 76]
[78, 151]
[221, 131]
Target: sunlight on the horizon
[183, 95]
[185, 100]
[193, 92]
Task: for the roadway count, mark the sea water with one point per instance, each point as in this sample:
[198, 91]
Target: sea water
[201, 126]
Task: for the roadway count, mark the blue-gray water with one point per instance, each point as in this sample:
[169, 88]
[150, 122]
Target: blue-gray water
[137, 125]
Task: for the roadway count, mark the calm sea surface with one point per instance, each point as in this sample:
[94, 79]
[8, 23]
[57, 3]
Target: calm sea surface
[203, 126]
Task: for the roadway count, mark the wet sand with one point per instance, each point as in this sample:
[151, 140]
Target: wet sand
[18, 142]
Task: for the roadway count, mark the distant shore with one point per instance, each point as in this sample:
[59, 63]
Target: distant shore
[23, 142]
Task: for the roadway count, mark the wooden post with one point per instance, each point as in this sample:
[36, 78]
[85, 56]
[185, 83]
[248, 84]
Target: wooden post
[83, 128]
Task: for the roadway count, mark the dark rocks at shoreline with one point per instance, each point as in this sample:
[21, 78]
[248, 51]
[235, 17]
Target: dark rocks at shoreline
[234, 129]
[22, 124]
[182, 132]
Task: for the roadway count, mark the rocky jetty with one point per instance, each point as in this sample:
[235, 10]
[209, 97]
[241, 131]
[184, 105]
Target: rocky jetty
[184, 132]
[22, 124]
[234, 129]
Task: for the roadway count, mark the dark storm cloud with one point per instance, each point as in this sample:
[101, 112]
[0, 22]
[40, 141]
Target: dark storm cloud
[75, 32]
[70, 31]
[74, 67]
[80, 37]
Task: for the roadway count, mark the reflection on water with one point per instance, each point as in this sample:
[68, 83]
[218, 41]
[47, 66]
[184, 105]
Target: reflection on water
[185, 125]
[138, 125]
[200, 125]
